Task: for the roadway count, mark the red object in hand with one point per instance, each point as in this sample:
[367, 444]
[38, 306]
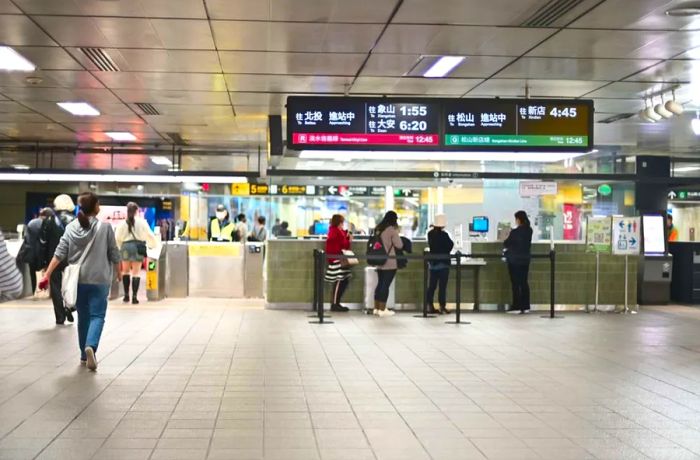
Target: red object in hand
[44, 284]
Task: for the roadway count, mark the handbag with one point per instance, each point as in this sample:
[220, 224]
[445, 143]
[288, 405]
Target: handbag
[141, 248]
[71, 275]
[350, 261]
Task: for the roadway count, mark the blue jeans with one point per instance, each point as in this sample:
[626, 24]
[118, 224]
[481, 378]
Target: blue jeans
[92, 307]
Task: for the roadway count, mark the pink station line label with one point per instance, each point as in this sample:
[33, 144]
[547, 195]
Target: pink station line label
[369, 139]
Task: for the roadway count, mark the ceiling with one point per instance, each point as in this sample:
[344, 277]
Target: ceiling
[215, 69]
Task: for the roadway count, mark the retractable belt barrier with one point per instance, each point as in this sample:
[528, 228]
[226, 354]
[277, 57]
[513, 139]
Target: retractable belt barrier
[320, 257]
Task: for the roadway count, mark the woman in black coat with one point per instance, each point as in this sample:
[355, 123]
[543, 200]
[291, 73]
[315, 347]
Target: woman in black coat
[440, 244]
[517, 247]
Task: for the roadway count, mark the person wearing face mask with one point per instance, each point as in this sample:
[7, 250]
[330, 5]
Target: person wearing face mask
[221, 228]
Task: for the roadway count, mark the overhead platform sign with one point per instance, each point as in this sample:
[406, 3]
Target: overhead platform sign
[354, 123]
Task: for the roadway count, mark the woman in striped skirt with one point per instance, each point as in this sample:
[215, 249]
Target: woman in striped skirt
[338, 272]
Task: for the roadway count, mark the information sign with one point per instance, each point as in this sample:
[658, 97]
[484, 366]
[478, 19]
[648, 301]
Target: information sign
[599, 234]
[240, 189]
[537, 188]
[626, 238]
[654, 231]
[259, 189]
[352, 190]
[684, 195]
[292, 190]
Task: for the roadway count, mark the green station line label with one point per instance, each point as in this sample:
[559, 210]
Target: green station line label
[515, 140]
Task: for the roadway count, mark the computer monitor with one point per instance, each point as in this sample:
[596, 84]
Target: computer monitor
[321, 228]
[480, 224]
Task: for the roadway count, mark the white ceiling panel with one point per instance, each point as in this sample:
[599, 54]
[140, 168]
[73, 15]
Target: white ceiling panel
[495, 12]
[189, 112]
[20, 30]
[480, 66]
[670, 71]
[629, 90]
[23, 117]
[51, 79]
[163, 81]
[12, 107]
[6, 7]
[49, 57]
[129, 8]
[291, 63]
[618, 44]
[575, 69]
[617, 105]
[287, 83]
[538, 88]
[175, 97]
[22, 93]
[459, 40]
[38, 131]
[390, 65]
[128, 32]
[140, 60]
[290, 36]
[638, 14]
[369, 11]
[272, 100]
[115, 111]
[414, 85]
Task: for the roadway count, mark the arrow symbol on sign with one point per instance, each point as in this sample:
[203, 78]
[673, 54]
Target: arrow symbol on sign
[332, 189]
[622, 225]
[672, 195]
[633, 241]
[407, 193]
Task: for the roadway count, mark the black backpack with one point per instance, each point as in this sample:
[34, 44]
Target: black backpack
[377, 255]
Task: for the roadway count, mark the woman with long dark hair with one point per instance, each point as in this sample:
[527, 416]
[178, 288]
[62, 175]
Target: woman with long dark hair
[337, 273]
[133, 236]
[388, 232]
[88, 236]
[518, 246]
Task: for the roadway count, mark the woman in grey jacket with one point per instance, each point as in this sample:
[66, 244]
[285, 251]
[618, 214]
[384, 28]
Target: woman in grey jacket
[96, 272]
[388, 231]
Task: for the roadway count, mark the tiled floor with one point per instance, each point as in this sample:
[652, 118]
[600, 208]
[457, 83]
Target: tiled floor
[206, 380]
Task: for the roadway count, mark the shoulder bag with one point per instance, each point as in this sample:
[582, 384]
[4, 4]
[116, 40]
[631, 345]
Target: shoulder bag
[141, 248]
[71, 275]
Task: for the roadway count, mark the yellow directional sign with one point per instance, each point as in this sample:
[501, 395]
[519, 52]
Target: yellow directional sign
[240, 189]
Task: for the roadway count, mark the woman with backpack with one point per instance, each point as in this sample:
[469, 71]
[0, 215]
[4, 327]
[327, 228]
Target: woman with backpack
[91, 245]
[133, 236]
[387, 233]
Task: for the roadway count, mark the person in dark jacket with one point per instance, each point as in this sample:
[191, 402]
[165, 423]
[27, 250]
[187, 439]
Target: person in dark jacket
[53, 230]
[517, 247]
[439, 243]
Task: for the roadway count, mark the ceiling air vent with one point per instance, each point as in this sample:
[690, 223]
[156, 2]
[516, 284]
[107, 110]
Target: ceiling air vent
[618, 117]
[551, 12]
[101, 59]
[147, 108]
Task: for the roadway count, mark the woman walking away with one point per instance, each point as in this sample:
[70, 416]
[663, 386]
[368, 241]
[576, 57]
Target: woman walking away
[517, 247]
[388, 232]
[338, 271]
[440, 244]
[133, 236]
[86, 238]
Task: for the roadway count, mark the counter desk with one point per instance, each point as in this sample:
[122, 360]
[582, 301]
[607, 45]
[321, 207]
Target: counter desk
[289, 278]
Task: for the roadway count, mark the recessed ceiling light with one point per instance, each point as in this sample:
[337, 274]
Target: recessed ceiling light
[121, 136]
[20, 167]
[443, 66]
[161, 161]
[80, 109]
[12, 60]
[685, 9]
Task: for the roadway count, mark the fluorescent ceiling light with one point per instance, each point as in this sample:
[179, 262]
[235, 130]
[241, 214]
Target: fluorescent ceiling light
[443, 66]
[161, 161]
[80, 109]
[122, 178]
[695, 125]
[686, 169]
[121, 136]
[12, 60]
[533, 157]
[20, 167]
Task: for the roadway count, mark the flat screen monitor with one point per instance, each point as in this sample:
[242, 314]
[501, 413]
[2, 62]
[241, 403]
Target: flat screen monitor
[321, 228]
[654, 234]
[480, 224]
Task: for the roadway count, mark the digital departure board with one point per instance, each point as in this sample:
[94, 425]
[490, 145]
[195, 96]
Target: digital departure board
[362, 123]
[356, 123]
[518, 124]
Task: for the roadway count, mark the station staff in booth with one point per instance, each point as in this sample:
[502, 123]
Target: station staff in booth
[221, 228]
[672, 230]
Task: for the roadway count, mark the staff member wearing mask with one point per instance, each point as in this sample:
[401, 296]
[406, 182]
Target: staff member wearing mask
[517, 247]
[440, 244]
[221, 228]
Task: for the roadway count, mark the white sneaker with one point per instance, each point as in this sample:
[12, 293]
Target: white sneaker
[91, 359]
[383, 313]
[375, 312]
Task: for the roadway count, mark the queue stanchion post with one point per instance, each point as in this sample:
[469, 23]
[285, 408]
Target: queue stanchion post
[425, 291]
[319, 274]
[314, 305]
[458, 292]
[552, 287]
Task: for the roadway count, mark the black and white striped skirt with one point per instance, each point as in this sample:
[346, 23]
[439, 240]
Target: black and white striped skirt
[336, 272]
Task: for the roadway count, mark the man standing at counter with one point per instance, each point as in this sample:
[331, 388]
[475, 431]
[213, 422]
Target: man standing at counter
[221, 228]
[242, 228]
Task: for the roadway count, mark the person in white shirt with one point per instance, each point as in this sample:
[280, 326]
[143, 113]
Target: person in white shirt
[242, 228]
[133, 236]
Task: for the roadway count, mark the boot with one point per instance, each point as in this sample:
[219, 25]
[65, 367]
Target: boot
[136, 281]
[126, 279]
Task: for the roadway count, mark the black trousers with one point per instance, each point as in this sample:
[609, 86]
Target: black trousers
[55, 281]
[521, 288]
[339, 288]
[386, 277]
[438, 278]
